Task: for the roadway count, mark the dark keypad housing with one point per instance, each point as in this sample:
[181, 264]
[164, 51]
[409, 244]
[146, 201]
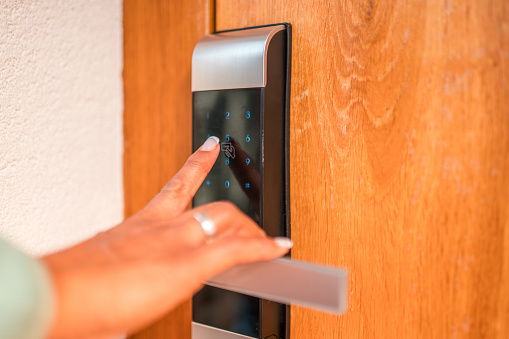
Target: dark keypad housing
[234, 117]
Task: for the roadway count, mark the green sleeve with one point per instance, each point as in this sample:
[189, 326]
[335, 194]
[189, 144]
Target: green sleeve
[26, 295]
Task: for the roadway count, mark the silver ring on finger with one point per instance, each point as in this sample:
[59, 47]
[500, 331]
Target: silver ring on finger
[207, 225]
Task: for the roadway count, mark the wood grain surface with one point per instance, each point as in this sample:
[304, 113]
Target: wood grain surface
[159, 37]
[399, 160]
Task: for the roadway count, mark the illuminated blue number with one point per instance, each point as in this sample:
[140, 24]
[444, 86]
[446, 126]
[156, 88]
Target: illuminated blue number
[227, 161]
[248, 114]
[248, 139]
[207, 115]
[227, 184]
[248, 161]
[227, 137]
[228, 115]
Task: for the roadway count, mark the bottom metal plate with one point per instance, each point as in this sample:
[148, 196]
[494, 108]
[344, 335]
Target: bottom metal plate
[201, 331]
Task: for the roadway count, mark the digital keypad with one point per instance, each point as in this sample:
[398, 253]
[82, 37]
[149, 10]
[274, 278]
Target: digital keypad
[234, 117]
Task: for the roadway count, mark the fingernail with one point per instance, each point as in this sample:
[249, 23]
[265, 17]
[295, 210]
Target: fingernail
[210, 144]
[283, 242]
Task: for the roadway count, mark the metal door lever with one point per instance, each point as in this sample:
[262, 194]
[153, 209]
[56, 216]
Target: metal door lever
[289, 282]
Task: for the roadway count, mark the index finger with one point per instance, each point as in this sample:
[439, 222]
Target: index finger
[178, 192]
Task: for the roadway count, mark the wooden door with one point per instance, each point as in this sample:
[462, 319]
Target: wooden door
[399, 160]
[159, 38]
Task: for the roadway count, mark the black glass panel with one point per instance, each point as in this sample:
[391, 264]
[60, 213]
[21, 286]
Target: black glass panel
[234, 117]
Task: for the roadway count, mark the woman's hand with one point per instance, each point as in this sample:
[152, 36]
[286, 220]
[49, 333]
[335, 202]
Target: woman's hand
[124, 278]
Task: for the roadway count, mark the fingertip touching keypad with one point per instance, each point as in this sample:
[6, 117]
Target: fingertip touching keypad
[234, 117]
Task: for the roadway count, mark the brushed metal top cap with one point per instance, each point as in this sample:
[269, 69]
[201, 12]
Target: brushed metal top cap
[229, 60]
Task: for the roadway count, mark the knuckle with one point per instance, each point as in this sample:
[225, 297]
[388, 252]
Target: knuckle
[226, 207]
[196, 165]
[177, 187]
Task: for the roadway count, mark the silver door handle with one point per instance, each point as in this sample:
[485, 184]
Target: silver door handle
[290, 282]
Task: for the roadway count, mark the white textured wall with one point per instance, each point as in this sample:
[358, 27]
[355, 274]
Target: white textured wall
[60, 121]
